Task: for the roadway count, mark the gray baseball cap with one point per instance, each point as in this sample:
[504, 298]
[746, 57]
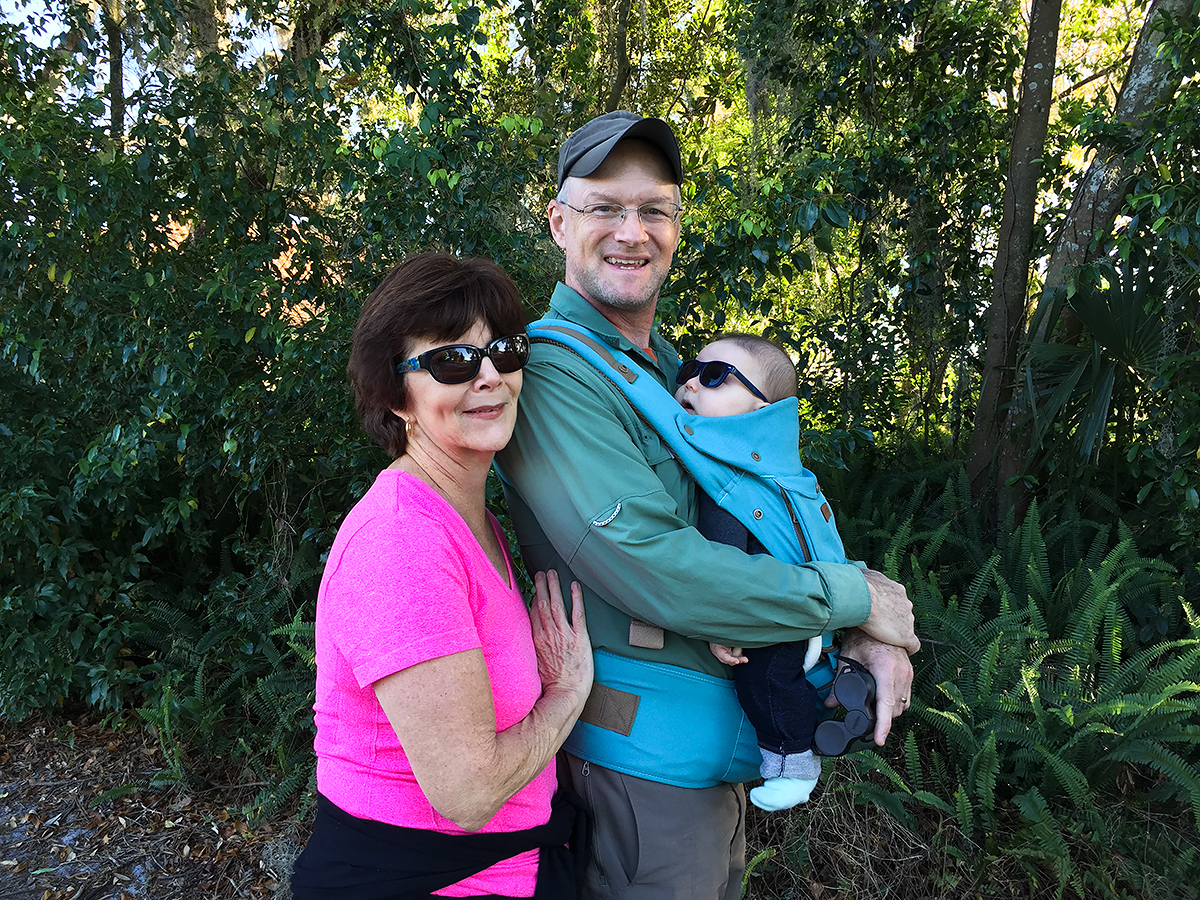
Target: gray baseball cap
[584, 151]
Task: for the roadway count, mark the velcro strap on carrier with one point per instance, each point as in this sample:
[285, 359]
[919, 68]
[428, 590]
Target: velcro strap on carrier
[644, 635]
[686, 728]
[610, 708]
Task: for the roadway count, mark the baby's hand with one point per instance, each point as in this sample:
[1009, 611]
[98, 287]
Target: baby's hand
[731, 656]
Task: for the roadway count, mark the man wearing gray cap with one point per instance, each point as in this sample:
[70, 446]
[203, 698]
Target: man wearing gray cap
[662, 746]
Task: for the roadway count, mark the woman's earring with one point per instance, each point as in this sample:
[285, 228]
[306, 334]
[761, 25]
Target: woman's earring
[408, 427]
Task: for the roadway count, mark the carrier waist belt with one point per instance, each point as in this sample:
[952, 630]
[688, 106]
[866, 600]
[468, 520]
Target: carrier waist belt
[666, 724]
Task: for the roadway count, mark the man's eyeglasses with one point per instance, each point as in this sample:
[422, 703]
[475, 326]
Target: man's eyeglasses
[712, 374]
[652, 215]
[459, 363]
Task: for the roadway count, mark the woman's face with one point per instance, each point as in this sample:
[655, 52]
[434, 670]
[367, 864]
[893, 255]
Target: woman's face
[475, 418]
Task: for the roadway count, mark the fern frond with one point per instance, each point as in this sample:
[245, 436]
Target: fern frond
[301, 638]
[987, 667]
[1095, 554]
[888, 801]
[897, 544]
[1111, 640]
[954, 729]
[1030, 681]
[1073, 781]
[1015, 733]
[964, 811]
[934, 801]
[1182, 775]
[979, 584]
[1038, 580]
[1043, 841]
[915, 501]
[912, 762]
[869, 760]
[1083, 736]
[933, 544]
[1167, 672]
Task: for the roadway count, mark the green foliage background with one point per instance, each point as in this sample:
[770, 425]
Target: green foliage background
[178, 442]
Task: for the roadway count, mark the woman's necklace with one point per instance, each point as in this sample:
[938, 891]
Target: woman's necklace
[422, 473]
[466, 511]
[481, 529]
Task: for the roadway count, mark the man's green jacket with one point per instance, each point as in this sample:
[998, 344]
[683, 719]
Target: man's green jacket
[595, 494]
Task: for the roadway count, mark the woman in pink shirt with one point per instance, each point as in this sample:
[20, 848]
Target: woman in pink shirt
[441, 700]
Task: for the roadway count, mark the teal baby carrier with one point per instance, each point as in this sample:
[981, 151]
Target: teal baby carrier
[754, 472]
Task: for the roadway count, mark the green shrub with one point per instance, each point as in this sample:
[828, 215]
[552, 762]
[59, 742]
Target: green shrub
[180, 442]
[1040, 701]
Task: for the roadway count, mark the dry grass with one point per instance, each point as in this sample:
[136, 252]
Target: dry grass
[833, 849]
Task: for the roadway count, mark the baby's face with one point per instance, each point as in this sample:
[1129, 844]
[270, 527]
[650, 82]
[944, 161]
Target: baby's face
[730, 397]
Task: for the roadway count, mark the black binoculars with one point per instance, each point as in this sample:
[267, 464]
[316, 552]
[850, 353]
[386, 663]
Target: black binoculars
[855, 691]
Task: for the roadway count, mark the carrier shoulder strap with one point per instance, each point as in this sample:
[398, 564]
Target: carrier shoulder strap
[788, 515]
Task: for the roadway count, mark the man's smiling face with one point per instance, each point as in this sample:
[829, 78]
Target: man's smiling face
[621, 265]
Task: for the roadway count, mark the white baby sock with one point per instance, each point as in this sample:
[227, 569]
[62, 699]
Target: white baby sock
[775, 794]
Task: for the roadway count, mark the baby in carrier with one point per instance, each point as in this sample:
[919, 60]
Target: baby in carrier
[736, 374]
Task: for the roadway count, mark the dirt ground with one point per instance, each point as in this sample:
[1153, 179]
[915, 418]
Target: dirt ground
[74, 825]
[78, 822]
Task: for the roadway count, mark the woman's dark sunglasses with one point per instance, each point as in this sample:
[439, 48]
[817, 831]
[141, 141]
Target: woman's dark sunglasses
[714, 373]
[458, 363]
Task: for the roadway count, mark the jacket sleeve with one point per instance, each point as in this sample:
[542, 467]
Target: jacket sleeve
[593, 476]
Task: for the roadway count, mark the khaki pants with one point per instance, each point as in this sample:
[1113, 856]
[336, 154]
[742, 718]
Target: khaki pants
[654, 841]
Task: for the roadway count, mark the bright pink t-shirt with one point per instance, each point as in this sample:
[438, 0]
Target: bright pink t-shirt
[406, 582]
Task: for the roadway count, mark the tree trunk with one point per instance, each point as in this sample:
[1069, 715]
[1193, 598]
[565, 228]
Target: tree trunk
[1010, 280]
[111, 11]
[1101, 192]
[313, 26]
[208, 21]
[1150, 79]
[621, 78]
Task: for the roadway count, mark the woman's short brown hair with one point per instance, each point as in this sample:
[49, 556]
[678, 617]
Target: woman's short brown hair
[430, 296]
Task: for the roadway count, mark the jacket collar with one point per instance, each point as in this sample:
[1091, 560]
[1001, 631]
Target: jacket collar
[567, 304]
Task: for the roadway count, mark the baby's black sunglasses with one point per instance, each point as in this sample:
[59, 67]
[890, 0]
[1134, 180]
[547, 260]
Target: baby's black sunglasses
[712, 374]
